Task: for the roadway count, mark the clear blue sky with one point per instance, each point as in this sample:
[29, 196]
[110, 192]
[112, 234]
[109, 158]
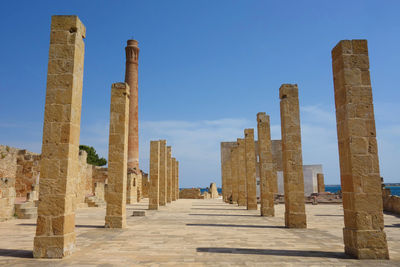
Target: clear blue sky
[205, 69]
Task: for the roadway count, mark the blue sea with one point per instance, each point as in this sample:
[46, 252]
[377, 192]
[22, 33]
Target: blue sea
[395, 190]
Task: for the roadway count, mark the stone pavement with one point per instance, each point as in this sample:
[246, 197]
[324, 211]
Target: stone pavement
[199, 233]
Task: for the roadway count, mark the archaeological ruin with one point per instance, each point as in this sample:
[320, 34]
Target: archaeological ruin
[270, 204]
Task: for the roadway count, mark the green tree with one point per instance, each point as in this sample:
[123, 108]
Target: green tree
[92, 157]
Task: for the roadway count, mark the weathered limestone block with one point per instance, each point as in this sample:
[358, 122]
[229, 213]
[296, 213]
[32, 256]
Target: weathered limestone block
[131, 78]
[320, 182]
[295, 216]
[250, 159]
[139, 186]
[363, 233]
[268, 175]
[169, 175]
[234, 173]
[242, 193]
[145, 185]
[173, 181]
[276, 147]
[55, 235]
[154, 174]
[214, 190]
[117, 157]
[190, 193]
[7, 198]
[177, 180]
[163, 173]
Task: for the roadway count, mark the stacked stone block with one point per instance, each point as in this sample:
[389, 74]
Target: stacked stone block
[234, 174]
[320, 182]
[173, 179]
[117, 157]
[177, 180]
[295, 216]
[242, 194]
[267, 172]
[154, 175]
[55, 230]
[169, 174]
[363, 233]
[163, 173]
[250, 159]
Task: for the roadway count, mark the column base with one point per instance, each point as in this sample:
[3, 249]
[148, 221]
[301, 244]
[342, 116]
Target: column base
[54, 247]
[115, 222]
[295, 220]
[153, 207]
[268, 212]
[365, 244]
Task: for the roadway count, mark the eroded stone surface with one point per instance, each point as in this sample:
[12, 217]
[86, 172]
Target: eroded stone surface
[320, 182]
[154, 175]
[117, 157]
[363, 233]
[242, 193]
[169, 174]
[234, 173]
[295, 216]
[250, 159]
[163, 173]
[55, 235]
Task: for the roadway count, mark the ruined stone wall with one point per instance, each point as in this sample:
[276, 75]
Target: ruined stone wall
[84, 180]
[99, 175]
[7, 198]
[390, 203]
[190, 193]
[21, 165]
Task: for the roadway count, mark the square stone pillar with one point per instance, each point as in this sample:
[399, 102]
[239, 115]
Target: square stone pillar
[55, 230]
[169, 174]
[268, 174]
[320, 182]
[173, 181]
[363, 233]
[250, 159]
[177, 179]
[154, 175]
[226, 170]
[242, 194]
[117, 157]
[234, 174]
[163, 173]
[295, 215]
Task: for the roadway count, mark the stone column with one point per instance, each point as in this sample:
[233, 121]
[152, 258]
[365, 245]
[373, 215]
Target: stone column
[131, 78]
[268, 174]
[363, 233]
[169, 174]
[154, 174]
[242, 194]
[173, 181]
[234, 174]
[250, 159]
[55, 230]
[177, 180]
[320, 182]
[117, 157]
[295, 216]
[163, 173]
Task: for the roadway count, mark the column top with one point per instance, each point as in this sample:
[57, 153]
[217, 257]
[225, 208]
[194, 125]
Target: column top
[288, 90]
[132, 43]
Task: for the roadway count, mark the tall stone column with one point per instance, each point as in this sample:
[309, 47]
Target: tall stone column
[242, 194]
[363, 233]
[250, 158]
[163, 173]
[131, 78]
[154, 175]
[117, 157]
[55, 230]
[234, 174]
[173, 181]
[177, 180]
[267, 172]
[320, 182]
[295, 215]
[169, 174]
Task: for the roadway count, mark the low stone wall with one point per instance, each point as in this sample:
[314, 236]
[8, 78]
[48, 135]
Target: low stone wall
[390, 203]
[7, 198]
[190, 193]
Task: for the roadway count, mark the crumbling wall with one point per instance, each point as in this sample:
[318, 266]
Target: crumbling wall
[145, 185]
[390, 203]
[99, 175]
[190, 193]
[7, 198]
[84, 180]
